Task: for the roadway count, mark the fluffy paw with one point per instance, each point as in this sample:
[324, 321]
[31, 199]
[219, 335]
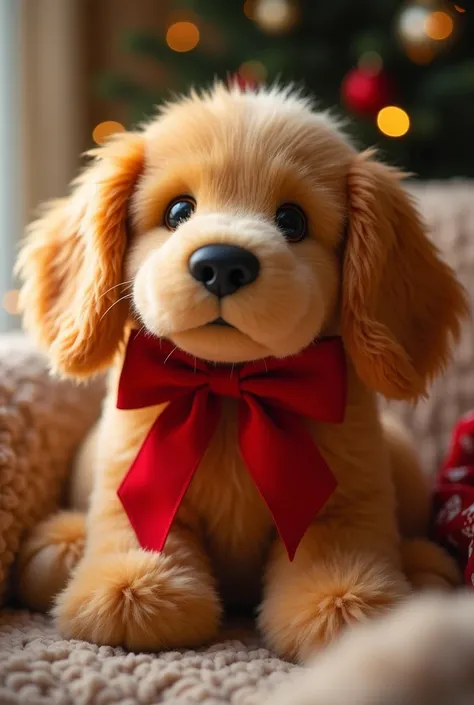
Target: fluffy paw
[47, 558]
[312, 608]
[140, 600]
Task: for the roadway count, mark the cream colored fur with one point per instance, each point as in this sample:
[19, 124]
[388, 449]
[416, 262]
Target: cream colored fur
[102, 262]
[422, 654]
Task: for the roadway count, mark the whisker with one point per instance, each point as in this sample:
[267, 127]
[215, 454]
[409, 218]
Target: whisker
[126, 284]
[168, 356]
[122, 298]
[265, 363]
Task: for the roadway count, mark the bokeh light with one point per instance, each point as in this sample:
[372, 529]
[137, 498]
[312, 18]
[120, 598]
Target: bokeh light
[276, 16]
[249, 9]
[182, 36]
[253, 70]
[439, 25]
[412, 25]
[420, 54]
[370, 62]
[393, 121]
[10, 302]
[106, 129]
[458, 8]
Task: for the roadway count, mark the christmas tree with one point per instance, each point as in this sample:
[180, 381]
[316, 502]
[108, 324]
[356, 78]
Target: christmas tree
[402, 72]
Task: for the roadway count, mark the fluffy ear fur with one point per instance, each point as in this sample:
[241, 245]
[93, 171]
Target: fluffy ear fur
[71, 262]
[401, 304]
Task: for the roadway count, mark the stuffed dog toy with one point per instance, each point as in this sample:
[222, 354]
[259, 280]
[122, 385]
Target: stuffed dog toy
[252, 282]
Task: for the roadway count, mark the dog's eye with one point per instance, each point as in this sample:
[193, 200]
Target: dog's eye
[179, 210]
[291, 220]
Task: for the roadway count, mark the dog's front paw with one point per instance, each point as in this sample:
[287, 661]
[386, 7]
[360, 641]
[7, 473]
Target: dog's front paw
[312, 608]
[140, 600]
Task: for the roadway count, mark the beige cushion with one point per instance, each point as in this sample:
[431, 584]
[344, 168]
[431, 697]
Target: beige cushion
[41, 423]
[449, 210]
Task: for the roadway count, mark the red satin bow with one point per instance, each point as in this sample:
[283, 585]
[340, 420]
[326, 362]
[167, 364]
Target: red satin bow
[273, 397]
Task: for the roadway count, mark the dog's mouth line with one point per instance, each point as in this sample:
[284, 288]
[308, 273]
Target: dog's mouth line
[219, 321]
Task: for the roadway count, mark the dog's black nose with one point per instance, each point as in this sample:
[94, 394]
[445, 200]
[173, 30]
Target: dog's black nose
[223, 269]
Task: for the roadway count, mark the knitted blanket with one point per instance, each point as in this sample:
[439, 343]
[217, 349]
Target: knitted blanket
[41, 424]
[39, 668]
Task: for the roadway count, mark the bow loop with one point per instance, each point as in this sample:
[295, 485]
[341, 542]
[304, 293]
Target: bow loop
[274, 398]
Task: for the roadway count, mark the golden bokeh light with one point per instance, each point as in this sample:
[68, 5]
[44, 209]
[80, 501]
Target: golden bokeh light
[420, 54]
[182, 36]
[393, 121]
[439, 25]
[276, 16]
[106, 129]
[253, 70]
[10, 302]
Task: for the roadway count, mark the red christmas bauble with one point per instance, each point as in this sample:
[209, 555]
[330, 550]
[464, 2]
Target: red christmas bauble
[365, 92]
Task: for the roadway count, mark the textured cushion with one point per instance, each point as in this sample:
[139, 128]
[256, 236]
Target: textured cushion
[39, 668]
[449, 210]
[41, 424]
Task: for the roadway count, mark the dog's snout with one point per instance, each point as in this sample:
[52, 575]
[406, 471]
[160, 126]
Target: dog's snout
[223, 269]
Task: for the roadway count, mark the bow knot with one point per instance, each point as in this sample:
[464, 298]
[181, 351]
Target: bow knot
[273, 398]
[224, 381]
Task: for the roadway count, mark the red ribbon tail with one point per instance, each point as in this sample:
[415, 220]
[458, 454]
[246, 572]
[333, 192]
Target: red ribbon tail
[153, 488]
[287, 467]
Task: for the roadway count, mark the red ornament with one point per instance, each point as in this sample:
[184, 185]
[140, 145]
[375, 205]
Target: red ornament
[245, 83]
[365, 92]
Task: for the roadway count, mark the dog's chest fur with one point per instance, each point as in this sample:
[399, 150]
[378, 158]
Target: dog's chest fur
[222, 503]
[236, 523]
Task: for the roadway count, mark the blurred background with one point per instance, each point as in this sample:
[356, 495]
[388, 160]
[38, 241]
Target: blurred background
[74, 71]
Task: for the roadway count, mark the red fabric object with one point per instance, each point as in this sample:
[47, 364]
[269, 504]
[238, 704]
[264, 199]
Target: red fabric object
[454, 498]
[275, 397]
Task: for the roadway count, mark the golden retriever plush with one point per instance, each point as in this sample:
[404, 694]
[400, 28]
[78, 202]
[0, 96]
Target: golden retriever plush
[244, 231]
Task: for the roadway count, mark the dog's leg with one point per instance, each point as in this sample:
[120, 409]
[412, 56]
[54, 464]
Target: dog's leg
[340, 575]
[412, 489]
[47, 557]
[122, 594]
[426, 565]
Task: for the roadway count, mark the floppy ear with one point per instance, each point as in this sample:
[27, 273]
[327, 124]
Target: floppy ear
[71, 262]
[401, 304]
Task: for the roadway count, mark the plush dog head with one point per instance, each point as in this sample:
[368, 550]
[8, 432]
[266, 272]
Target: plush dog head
[241, 225]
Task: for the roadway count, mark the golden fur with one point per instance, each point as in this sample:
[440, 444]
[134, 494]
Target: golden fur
[101, 262]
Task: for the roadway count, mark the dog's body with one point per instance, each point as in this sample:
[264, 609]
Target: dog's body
[225, 506]
[395, 304]
[238, 526]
